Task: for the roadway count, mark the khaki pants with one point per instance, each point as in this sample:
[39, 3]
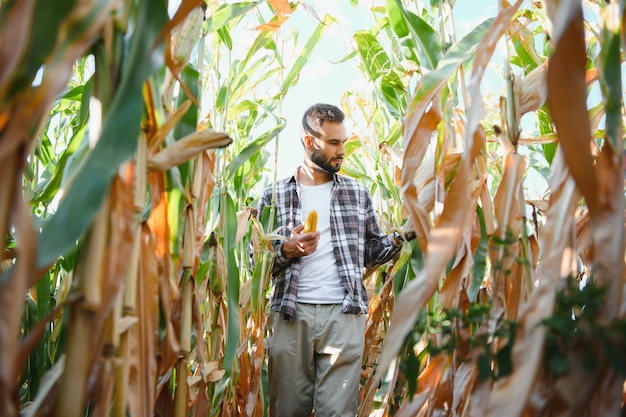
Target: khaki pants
[315, 362]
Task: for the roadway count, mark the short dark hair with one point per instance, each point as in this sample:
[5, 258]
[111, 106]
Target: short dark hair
[315, 116]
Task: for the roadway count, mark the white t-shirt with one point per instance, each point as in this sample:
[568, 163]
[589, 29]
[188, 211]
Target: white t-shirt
[319, 281]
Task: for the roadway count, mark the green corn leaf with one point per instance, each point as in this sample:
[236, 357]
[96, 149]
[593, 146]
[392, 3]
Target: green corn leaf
[460, 53]
[189, 122]
[375, 60]
[226, 14]
[425, 36]
[525, 55]
[224, 35]
[251, 149]
[59, 172]
[396, 18]
[480, 259]
[378, 66]
[611, 82]
[546, 127]
[305, 55]
[261, 271]
[229, 219]
[394, 94]
[245, 76]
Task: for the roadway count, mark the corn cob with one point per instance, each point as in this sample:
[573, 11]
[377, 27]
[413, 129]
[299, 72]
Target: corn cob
[217, 266]
[310, 225]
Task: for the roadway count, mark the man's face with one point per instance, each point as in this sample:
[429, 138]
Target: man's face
[328, 149]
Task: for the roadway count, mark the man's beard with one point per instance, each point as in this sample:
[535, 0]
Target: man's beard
[324, 163]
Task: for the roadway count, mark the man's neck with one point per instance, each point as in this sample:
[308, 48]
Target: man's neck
[311, 174]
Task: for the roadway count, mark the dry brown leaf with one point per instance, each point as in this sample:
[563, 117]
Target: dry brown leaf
[504, 243]
[245, 294]
[156, 140]
[567, 98]
[211, 371]
[478, 398]
[488, 211]
[15, 35]
[85, 22]
[186, 148]
[243, 221]
[283, 11]
[415, 148]
[143, 364]
[205, 176]
[12, 299]
[378, 308]
[427, 384]
[600, 179]
[253, 399]
[393, 154]
[538, 140]
[453, 284]
[511, 394]
[415, 407]
[513, 287]
[282, 7]
[431, 179]
[126, 323]
[464, 378]
[169, 349]
[532, 90]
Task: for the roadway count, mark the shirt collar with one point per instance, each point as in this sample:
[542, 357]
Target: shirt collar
[294, 177]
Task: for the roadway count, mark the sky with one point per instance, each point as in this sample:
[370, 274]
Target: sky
[325, 78]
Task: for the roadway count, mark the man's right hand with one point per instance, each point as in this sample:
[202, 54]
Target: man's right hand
[300, 244]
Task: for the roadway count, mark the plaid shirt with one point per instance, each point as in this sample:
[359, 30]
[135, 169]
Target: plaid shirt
[356, 236]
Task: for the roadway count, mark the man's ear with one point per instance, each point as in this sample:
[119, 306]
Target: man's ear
[308, 141]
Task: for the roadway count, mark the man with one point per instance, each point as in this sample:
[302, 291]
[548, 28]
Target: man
[319, 302]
